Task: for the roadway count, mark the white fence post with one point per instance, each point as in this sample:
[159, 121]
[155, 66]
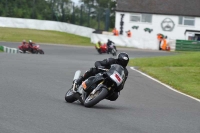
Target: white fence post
[10, 50]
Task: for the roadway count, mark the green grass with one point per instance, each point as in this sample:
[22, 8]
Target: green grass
[181, 71]
[42, 36]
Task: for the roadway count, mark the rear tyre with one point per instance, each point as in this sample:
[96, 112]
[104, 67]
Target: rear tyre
[95, 98]
[70, 96]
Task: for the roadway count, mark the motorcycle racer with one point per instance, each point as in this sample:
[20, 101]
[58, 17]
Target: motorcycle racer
[98, 45]
[122, 59]
[109, 43]
[23, 46]
[30, 44]
[24, 42]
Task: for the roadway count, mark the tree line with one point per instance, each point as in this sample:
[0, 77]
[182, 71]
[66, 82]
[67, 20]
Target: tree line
[90, 13]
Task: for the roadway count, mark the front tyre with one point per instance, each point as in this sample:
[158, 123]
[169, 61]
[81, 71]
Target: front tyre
[70, 96]
[41, 51]
[95, 98]
[114, 52]
[99, 51]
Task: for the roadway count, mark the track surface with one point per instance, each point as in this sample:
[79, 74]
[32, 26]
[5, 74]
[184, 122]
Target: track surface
[32, 89]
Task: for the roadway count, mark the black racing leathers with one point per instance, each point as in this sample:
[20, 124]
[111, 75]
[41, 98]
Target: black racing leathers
[106, 63]
[109, 43]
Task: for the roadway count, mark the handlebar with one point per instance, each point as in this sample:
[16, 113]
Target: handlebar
[103, 69]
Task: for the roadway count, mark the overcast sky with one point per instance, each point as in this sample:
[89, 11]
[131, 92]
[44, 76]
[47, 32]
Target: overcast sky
[75, 1]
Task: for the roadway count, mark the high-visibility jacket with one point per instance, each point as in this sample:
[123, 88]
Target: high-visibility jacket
[97, 45]
[115, 32]
[129, 34]
[164, 44]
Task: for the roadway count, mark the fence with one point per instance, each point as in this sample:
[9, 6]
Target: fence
[57, 10]
[9, 50]
[184, 45]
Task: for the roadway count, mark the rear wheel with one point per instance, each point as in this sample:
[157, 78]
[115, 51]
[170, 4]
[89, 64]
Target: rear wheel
[95, 98]
[70, 96]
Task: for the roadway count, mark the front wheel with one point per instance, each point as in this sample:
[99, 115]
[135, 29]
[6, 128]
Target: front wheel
[70, 96]
[114, 53]
[41, 51]
[99, 51]
[95, 98]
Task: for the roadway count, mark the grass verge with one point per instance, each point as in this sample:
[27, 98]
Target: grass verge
[42, 36]
[181, 71]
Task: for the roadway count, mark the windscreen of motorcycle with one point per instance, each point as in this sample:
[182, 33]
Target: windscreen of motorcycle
[116, 73]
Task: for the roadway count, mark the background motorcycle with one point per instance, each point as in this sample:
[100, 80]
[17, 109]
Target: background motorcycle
[36, 49]
[23, 48]
[97, 87]
[105, 49]
[112, 50]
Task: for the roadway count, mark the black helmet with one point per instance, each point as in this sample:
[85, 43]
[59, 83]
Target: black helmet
[123, 59]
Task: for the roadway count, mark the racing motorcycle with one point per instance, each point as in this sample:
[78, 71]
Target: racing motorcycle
[98, 87]
[25, 49]
[105, 49]
[112, 50]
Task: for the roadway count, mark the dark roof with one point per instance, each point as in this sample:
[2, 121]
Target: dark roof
[166, 7]
[191, 31]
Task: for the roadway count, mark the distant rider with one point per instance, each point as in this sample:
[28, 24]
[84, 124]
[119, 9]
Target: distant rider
[98, 45]
[109, 43]
[30, 45]
[23, 46]
[122, 59]
[23, 42]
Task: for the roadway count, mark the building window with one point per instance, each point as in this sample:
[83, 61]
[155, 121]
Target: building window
[190, 21]
[146, 18]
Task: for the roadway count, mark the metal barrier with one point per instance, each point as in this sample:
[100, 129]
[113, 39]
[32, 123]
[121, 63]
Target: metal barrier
[186, 45]
[9, 50]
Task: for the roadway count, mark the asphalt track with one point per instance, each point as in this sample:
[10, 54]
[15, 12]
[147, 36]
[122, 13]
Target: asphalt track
[32, 89]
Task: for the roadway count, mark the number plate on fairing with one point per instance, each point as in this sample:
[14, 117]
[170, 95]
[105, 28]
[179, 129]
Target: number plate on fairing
[117, 78]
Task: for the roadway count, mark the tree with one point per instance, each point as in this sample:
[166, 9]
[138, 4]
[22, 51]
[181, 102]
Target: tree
[91, 13]
[110, 4]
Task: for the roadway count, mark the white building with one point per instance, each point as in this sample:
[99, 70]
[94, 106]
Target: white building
[176, 19]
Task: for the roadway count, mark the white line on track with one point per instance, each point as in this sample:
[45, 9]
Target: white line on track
[164, 84]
